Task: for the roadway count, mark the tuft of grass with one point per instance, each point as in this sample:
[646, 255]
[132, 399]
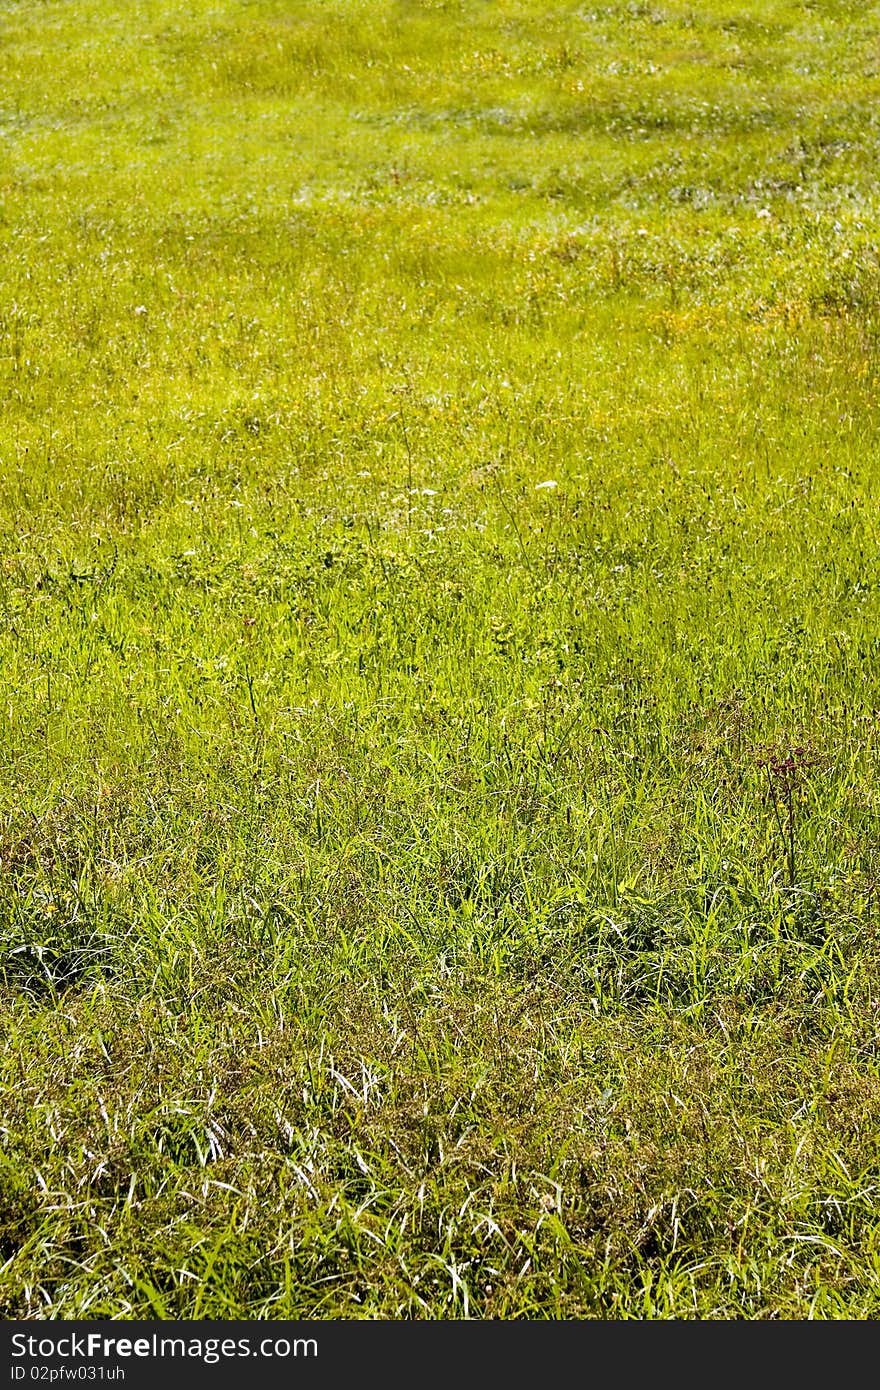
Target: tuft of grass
[438, 667]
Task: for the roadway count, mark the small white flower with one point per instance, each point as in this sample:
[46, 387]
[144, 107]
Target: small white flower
[551, 482]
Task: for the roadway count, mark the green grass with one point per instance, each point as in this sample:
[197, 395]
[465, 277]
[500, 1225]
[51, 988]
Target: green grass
[427, 891]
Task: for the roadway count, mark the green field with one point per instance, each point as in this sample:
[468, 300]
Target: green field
[440, 659]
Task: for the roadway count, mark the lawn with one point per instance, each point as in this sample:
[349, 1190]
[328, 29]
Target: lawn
[439, 659]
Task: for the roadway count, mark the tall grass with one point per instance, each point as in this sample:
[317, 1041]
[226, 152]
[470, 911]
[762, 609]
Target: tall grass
[439, 659]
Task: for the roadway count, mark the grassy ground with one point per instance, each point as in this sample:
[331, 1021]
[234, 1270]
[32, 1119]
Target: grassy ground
[439, 671]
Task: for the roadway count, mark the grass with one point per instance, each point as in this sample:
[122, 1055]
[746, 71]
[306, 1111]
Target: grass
[439, 665]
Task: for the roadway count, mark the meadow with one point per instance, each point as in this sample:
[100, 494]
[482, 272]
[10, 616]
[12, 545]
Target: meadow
[439, 659]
